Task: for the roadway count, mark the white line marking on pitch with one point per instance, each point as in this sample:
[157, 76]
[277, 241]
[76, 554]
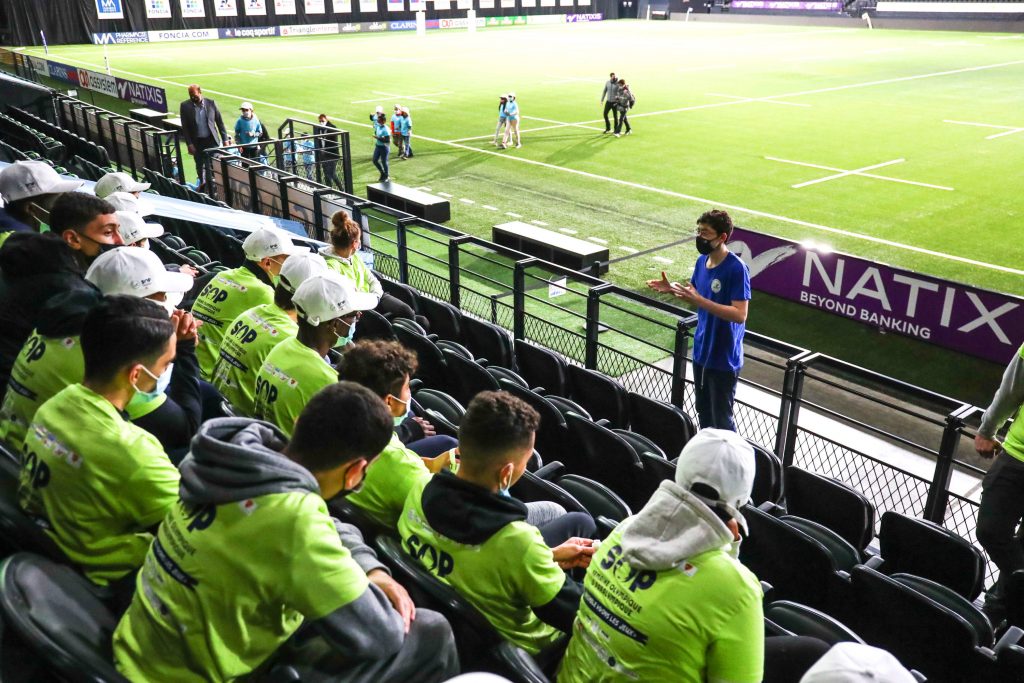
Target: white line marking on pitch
[562, 123]
[662, 259]
[513, 215]
[1007, 130]
[246, 71]
[445, 194]
[1008, 38]
[466, 201]
[540, 223]
[756, 99]
[659, 190]
[842, 172]
[418, 98]
[567, 231]
[424, 188]
[489, 207]
[628, 250]
[598, 240]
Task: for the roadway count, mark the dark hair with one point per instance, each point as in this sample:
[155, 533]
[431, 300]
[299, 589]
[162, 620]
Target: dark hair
[622, 81]
[282, 297]
[341, 423]
[380, 366]
[122, 331]
[344, 230]
[75, 210]
[323, 116]
[717, 220]
[495, 423]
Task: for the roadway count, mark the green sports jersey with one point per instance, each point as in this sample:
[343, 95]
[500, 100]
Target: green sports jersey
[288, 378]
[1014, 442]
[224, 586]
[701, 621]
[44, 366]
[221, 301]
[389, 478]
[502, 589]
[247, 342]
[97, 481]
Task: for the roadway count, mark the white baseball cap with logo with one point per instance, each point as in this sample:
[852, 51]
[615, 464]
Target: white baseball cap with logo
[857, 663]
[118, 182]
[26, 179]
[246, 106]
[299, 268]
[126, 201]
[330, 295]
[265, 242]
[134, 228]
[724, 461]
[136, 272]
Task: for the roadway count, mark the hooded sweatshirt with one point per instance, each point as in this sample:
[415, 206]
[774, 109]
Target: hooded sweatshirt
[468, 536]
[666, 599]
[246, 555]
[35, 268]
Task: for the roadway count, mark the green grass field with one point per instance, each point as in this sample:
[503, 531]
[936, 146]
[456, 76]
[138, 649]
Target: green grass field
[723, 112]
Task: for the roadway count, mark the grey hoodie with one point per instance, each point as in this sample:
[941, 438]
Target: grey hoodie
[234, 459]
[673, 526]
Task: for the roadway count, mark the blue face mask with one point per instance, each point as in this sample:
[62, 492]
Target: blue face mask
[142, 397]
[504, 493]
[344, 341]
[405, 413]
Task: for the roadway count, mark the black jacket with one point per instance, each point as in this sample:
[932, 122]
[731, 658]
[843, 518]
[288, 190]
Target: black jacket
[187, 111]
[35, 268]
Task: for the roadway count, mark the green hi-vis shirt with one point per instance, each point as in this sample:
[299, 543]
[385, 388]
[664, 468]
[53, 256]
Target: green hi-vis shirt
[503, 578]
[247, 342]
[354, 269]
[1014, 442]
[288, 378]
[97, 481]
[701, 621]
[44, 366]
[221, 301]
[389, 478]
[224, 586]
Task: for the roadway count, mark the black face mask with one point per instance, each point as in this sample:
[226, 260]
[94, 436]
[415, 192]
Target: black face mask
[102, 246]
[704, 246]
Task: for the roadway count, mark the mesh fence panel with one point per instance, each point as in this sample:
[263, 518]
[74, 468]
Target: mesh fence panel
[634, 374]
[569, 344]
[962, 519]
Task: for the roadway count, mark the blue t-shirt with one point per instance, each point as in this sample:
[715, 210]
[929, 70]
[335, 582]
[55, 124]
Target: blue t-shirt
[382, 134]
[512, 110]
[247, 131]
[717, 343]
[403, 125]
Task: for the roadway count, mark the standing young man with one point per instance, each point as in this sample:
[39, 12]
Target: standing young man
[720, 291]
[609, 96]
[381, 147]
[329, 147]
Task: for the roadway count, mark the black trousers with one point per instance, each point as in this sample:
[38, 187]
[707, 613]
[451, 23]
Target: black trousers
[609, 107]
[623, 121]
[1000, 512]
[715, 391]
[202, 145]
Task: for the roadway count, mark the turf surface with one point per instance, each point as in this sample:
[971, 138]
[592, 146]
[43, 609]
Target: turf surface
[719, 106]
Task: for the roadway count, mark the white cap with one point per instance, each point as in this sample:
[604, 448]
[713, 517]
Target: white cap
[126, 201]
[857, 663]
[136, 272]
[246, 105]
[118, 182]
[504, 95]
[24, 179]
[379, 110]
[133, 228]
[722, 460]
[329, 295]
[265, 242]
[511, 95]
[299, 268]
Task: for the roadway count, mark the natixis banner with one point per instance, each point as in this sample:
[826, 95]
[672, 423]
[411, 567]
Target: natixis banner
[953, 315]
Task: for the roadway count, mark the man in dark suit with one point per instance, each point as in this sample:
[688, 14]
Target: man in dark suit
[203, 128]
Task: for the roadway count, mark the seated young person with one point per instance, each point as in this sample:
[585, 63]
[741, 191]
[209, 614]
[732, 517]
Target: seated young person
[96, 482]
[249, 553]
[327, 308]
[694, 612]
[466, 530]
[250, 337]
[233, 291]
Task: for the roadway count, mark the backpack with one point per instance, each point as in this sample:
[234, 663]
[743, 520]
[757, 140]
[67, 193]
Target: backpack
[630, 98]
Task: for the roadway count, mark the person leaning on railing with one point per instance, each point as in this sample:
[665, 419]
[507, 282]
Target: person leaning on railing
[342, 257]
[1002, 490]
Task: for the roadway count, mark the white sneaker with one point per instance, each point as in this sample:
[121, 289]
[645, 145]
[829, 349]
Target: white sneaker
[519, 145]
[617, 135]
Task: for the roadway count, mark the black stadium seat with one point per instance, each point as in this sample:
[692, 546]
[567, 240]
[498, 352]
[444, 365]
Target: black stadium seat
[832, 503]
[372, 325]
[767, 476]
[467, 378]
[499, 373]
[786, 618]
[553, 435]
[488, 341]
[440, 409]
[663, 423]
[445, 319]
[432, 369]
[916, 546]
[56, 613]
[602, 396]
[542, 367]
[606, 457]
[19, 531]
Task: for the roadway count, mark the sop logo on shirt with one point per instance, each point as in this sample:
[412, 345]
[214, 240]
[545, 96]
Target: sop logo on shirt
[716, 285]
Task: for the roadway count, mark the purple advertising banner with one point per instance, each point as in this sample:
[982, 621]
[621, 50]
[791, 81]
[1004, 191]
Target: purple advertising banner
[140, 93]
[975, 321]
[802, 5]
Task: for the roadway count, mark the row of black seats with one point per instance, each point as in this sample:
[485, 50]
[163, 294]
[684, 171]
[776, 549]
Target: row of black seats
[71, 143]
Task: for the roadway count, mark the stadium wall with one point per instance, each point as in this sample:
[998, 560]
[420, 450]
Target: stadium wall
[134, 20]
[945, 23]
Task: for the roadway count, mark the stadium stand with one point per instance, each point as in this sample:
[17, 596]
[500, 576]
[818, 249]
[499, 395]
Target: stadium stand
[609, 436]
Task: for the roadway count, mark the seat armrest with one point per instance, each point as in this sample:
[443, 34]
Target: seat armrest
[773, 509]
[482, 362]
[551, 471]
[539, 390]
[602, 422]
[1012, 637]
